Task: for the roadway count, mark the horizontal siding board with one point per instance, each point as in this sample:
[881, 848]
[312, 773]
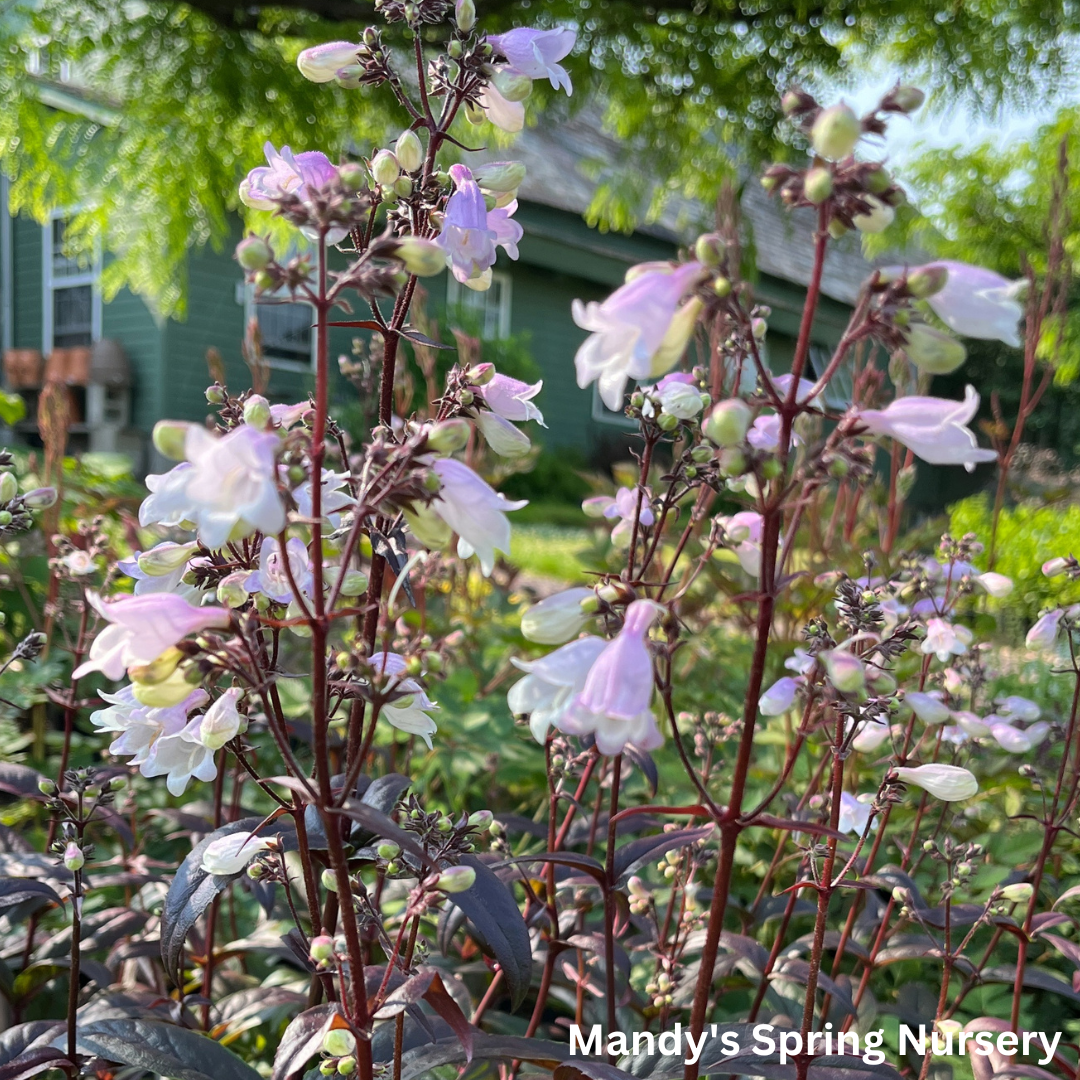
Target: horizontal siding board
[26, 245]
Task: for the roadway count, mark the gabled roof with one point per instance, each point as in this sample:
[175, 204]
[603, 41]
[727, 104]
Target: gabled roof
[560, 157]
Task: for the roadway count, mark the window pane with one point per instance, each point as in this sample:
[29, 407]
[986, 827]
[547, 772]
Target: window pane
[490, 309]
[286, 331]
[73, 316]
[62, 265]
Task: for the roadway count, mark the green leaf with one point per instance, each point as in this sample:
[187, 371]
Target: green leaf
[12, 408]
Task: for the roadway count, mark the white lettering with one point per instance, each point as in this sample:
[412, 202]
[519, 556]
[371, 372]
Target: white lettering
[763, 1045]
[906, 1036]
[579, 1046]
[1049, 1046]
[695, 1051]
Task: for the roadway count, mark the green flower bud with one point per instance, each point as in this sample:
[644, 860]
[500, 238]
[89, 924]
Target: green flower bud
[500, 177]
[47, 788]
[933, 351]
[481, 820]
[465, 15]
[403, 187]
[74, 859]
[409, 151]
[329, 880]
[338, 1042]
[253, 253]
[455, 50]
[385, 168]
[907, 99]
[818, 185]
[264, 281]
[9, 487]
[448, 436]
[667, 422]
[388, 850]
[353, 176]
[721, 286]
[215, 395]
[512, 85]
[456, 879]
[328, 1068]
[170, 437]
[346, 1065]
[709, 250]
[728, 422]
[835, 132]
[1020, 893]
[421, 257]
[731, 461]
[927, 281]
[878, 181]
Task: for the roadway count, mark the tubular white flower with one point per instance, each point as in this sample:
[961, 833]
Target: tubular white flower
[506, 440]
[475, 511]
[854, 813]
[512, 399]
[557, 618]
[929, 709]
[141, 628]
[321, 63]
[628, 330]
[221, 722]
[410, 713]
[949, 783]
[230, 854]
[932, 428]
[945, 640]
[979, 303]
[779, 697]
[1045, 631]
[997, 585]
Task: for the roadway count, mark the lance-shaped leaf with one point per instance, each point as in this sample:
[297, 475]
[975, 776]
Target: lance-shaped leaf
[485, 1048]
[634, 855]
[427, 985]
[31, 1035]
[20, 890]
[193, 889]
[156, 1047]
[30, 1062]
[491, 908]
[381, 825]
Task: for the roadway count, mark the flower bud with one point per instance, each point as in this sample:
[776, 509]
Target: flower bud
[933, 351]
[878, 219]
[328, 1067]
[421, 257]
[927, 281]
[9, 487]
[384, 168]
[257, 412]
[500, 177]
[339, 1042]
[1019, 893]
[346, 1065]
[170, 437]
[74, 859]
[835, 132]
[388, 850]
[949, 783]
[355, 583]
[166, 692]
[465, 15]
[906, 99]
[447, 436]
[409, 150]
[329, 880]
[1044, 633]
[731, 461]
[165, 558]
[557, 618]
[353, 176]
[709, 250]
[512, 85]
[231, 591]
[403, 187]
[157, 670]
[40, 498]
[456, 879]
[846, 671]
[759, 328]
[1054, 567]
[481, 821]
[253, 253]
[47, 788]
[322, 948]
[927, 708]
[818, 185]
[728, 422]
[320, 64]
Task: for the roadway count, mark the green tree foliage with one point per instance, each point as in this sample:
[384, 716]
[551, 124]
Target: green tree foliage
[184, 95]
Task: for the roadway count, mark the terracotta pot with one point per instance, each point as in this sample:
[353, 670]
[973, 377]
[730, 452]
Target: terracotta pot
[22, 368]
[56, 366]
[77, 368]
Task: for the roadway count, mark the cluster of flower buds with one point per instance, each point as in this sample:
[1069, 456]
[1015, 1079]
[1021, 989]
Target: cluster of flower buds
[15, 508]
[413, 12]
[339, 1048]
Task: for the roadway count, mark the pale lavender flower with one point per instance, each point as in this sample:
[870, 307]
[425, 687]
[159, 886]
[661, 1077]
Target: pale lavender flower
[471, 233]
[933, 428]
[505, 439]
[408, 713]
[138, 727]
[854, 813]
[636, 333]
[512, 399]
[1044, 633]
[290, 174]
[230, 854]
[623, 506]
[744, 530]
[474, 510]
[945, 639]
[321, 63]
[552, 683]
[1018, 708]
[272, 577]
[620, 683]
[779, 697]
[141, 628]
[508, 116]
[679, 395]
[764, 435]
[335, 497]
[536, 53]
[979, 303]
[870, 736]
[929, 708]
[1008, 737]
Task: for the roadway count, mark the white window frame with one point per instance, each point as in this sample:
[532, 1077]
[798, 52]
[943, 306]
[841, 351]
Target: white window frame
[49, 285]
[456, 293]
[251, 310]
[603, 415]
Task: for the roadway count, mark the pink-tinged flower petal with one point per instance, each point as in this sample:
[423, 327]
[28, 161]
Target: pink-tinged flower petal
[508, 116]
[979, 303]
[536, 53]
[321, 63]
[512, 399]
[933, 428]
[620, 684]
[141, 628]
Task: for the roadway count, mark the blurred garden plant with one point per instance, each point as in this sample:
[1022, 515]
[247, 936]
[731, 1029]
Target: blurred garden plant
[783, 776]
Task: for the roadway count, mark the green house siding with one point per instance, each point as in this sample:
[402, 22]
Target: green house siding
[128, 320]
[26, 245]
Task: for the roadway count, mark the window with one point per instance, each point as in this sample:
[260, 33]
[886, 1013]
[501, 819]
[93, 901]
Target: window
[491, 309]
[603, 415]
[71, 300]
[287, 330]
